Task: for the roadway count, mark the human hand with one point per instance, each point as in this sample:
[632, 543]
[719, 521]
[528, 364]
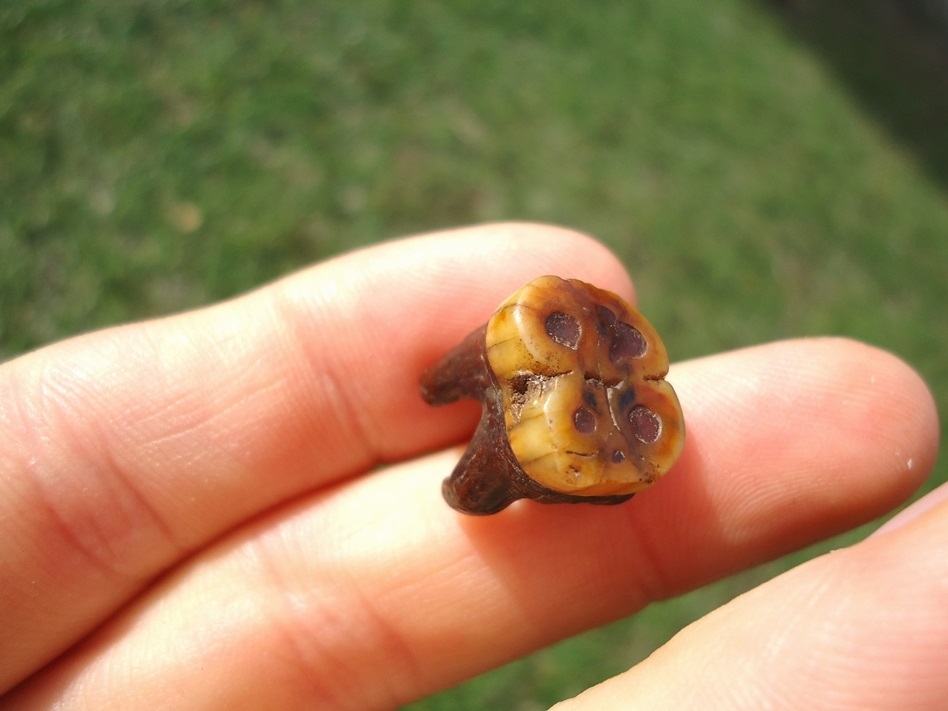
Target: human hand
[240, 507]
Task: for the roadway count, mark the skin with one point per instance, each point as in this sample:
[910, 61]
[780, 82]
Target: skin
[240, 507]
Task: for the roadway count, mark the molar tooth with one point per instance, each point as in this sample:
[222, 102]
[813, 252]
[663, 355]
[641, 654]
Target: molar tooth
[575, 407]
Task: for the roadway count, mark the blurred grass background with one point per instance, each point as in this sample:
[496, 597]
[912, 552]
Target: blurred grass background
[765, 169]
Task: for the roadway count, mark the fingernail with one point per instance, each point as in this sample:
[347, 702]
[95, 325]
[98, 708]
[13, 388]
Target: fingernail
[909, 514]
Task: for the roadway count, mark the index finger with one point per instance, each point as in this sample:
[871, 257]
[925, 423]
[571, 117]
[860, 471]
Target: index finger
[124, 450]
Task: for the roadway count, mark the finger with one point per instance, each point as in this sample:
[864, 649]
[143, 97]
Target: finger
[863, 629]
[124, 450]
[375, 592]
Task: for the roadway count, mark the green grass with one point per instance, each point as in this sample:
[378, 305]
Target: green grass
[763, 175]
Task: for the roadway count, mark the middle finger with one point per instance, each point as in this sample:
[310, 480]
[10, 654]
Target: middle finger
[376, 593]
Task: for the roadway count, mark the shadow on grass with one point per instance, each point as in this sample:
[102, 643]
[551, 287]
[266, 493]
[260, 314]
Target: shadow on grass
[893, 57]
